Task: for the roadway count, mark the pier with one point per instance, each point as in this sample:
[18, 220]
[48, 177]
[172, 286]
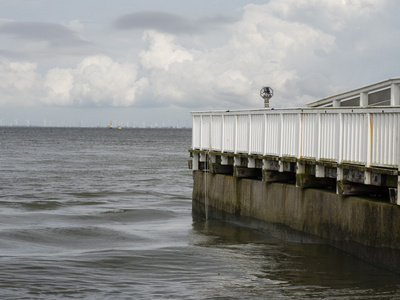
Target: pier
[330, 169]
[356, 149]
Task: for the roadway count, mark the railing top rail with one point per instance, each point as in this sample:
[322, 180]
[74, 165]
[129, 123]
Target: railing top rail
[309, 110]
[356, 92]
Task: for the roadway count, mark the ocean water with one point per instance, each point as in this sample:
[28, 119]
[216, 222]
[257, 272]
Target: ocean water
[106, 214]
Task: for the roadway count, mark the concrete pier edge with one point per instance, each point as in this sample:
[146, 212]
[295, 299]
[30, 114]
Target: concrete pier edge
[366, 229]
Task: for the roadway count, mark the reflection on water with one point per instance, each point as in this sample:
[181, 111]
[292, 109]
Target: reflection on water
[260, 265]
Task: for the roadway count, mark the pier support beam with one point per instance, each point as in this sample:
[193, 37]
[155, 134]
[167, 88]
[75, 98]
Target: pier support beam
[217, 168]
[203, 161]
[251, 163]
[397, 191]
[339, 181]
[319, 171]
[275, 176]
[306, 173]
[310, 181]
[393, 195]
[272, 165]
[286, 166]
[240, 162]
[346, 188]
[306, 176]
[195, 161]
[243, 172]
[227, 160]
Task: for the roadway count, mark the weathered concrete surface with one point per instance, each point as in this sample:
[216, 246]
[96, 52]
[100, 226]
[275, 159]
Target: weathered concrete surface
[369, 230]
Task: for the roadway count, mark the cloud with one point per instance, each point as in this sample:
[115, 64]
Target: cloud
[96, 81]
[169, 23]
[18, 81]
[55, 35]
[162, 51]
[263, 49]
[328, 15]
[303, 49]
[47, 44]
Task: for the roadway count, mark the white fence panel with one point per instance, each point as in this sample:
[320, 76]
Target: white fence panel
[329, 137]
[242, 134]
[272, 134]
[290, 135]
[257, 134]
[229, 133]
[309, 135]
[216, 133]
[205, 132]
[337, 135]
[385, 128]
[355, 138]
[196, 132]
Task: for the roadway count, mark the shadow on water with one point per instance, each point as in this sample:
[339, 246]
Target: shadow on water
[308, 270]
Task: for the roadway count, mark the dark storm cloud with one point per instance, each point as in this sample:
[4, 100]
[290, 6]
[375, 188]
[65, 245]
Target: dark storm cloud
[167, 22]
[40, 31]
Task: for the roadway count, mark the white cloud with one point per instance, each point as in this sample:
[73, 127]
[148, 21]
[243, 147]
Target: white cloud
[59, 84]
[75, 25]
[328, 14]
[263, 49]
[304, 49]
[162, 51]
[97, 80]
[17, 82]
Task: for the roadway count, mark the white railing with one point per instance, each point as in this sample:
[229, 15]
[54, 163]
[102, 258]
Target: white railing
[361, 136]
[363, 93]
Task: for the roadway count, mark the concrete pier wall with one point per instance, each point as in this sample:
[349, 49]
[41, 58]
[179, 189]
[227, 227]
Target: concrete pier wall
[369, 230]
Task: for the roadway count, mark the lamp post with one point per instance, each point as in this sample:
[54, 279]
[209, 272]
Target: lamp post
[266, 93]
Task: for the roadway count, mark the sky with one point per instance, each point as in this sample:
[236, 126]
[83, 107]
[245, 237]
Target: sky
[152, 62]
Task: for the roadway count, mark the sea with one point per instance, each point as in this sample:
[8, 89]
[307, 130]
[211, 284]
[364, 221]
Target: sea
[94, 213]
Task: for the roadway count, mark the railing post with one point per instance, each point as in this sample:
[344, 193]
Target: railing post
[398, 166]
[223, 133]
[201, 132]
[236, 160]
[339, 173]
[236, 134]
[224, 159]
[301, 168]
[265, 135]
[210, 133]
[368, 175]
[249, 134]
[202, 157]
[195, 156]
[193, 130]
[394, 94]
[364, 99]
[316, 137]
[300, 134]
[319, 169]
[281, 143]
[251, 161]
